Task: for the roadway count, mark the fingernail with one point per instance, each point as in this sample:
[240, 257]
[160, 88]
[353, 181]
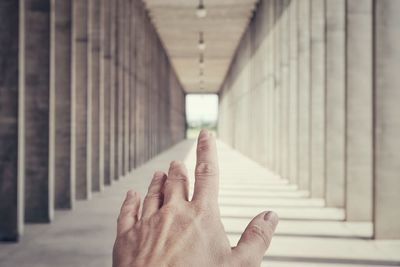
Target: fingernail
[272, 219]
[130, 193]
[270, 216]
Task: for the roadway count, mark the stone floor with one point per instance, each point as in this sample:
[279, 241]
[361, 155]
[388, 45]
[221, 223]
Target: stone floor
[309, 234]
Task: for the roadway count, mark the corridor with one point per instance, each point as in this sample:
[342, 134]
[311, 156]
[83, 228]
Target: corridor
[95, 95]
[308, 234]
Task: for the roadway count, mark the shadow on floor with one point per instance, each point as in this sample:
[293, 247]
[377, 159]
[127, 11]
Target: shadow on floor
[363, 262]
[308, 235]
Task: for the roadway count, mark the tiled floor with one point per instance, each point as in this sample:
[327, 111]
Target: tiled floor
[309, 234]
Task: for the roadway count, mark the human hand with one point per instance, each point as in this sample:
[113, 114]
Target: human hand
[175, 231]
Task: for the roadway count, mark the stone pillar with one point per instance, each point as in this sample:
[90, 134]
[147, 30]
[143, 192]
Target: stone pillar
[60, 104]
[147, 91]
[11, 183]
[105, 91]
[293, 92]
[270, 87]
[142, 97]
[359, 136]
[126, 67]
[277, 4]
[156, 95]
[304, 95]
[152, 93]
[158, 103]
[132, 105]
[317, 98]
[139, 84]
[93, 85]
[259, 67]
[284, 87]
[113, 92]
[387, 123]
[120, 88]
[39, 198]
[335, 102]
[79, 99]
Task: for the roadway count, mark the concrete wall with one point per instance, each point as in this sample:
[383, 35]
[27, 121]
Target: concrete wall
[312, 94]
[335, 102]
[11, 202]
[386, 122]
[35, 90]
[87, 94]
[318, 91]
[60, 104]
[359, 111]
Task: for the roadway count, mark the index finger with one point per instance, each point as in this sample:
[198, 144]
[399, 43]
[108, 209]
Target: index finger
[206, 171]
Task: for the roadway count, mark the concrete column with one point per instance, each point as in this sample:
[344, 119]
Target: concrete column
[335, 102]
[39, 198]
[359, 137]
[132, 105]
[161, 102]
[260, 34]
[304, 95]
[120, 88]
[293, 92]
[270, 86]
[11, 202]
[60, 104]
[158, 104]
[139, 84]
[152, 92]
[387, 123]
[126, 64]
[255, 98]
[93, 134]
[79, 99]
[113, 92]
[154, 96]
[277, 86]
[167, 106]
[317, 98]
[147, 91]
[285, 81]
[105, 91]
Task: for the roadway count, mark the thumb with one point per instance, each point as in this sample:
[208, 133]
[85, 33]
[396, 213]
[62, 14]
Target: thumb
[256, 238]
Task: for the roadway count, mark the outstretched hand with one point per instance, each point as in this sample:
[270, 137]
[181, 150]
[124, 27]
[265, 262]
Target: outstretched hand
[175, 231]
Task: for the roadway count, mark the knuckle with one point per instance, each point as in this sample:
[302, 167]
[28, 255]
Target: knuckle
[177, 166]
[177, 213]
[204, 208]
[121, 220]
[125, 211]
[206, 169]
[169, 210]
[154, 195]
[200, 209]
[261, 233]
[203, 145]
[178, 177]
[156, 182]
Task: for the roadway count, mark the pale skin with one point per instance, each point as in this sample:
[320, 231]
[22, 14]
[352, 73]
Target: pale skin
[172, 230]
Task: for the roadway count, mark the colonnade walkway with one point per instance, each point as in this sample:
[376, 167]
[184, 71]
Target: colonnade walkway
[308, 234]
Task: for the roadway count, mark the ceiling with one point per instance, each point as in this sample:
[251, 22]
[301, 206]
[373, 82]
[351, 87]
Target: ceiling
[179, 27]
